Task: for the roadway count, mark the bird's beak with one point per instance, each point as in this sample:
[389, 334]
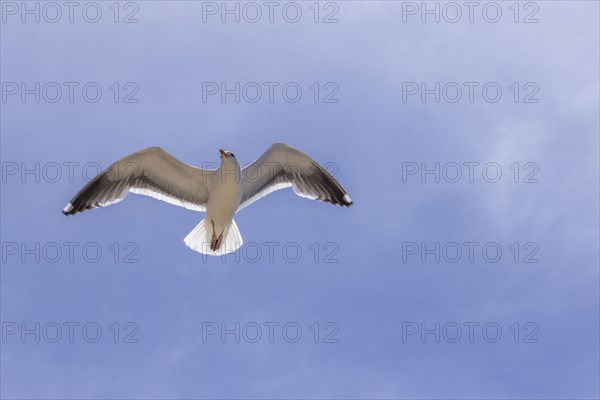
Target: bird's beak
[223, 154]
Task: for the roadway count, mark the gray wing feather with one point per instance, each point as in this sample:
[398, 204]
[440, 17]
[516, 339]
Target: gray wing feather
[282, 166]
[151, 172]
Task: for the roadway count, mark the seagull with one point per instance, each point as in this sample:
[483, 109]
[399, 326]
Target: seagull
[220, 193]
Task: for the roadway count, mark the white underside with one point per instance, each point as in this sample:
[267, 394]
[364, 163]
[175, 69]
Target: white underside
[199, 239]
[168, 199]
[260, 195]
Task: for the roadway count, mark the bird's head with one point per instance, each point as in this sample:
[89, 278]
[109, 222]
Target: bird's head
[228, 157]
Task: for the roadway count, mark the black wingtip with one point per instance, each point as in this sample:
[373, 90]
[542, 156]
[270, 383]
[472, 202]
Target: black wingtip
[69, 209]
[346, 200]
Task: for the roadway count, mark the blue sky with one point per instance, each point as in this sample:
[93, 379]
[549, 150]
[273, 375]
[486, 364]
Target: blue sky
[371, 296]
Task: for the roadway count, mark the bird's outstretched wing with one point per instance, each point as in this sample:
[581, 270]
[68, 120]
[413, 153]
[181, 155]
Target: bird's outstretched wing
[282, 166]
[152, 172]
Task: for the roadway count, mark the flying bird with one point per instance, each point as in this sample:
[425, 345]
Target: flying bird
[221, 193]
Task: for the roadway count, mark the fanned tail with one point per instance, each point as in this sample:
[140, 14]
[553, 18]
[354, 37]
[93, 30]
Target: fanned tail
[201, 239]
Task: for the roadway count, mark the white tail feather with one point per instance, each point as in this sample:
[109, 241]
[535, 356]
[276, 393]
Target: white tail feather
[199, 239]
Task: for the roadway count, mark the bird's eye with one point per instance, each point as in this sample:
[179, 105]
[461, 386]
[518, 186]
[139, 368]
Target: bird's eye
[231, 154]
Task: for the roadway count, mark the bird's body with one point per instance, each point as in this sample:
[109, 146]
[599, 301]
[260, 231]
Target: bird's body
[220, 193]
[223, 202]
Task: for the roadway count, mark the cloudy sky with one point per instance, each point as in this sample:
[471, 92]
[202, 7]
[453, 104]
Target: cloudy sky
[466, 136]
